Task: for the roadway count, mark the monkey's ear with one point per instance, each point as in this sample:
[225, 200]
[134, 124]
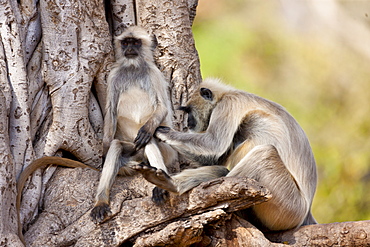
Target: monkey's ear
[206, 94]
[154, 42]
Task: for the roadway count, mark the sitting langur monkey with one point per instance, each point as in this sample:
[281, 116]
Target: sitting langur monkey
[252, 137]
[137, 103]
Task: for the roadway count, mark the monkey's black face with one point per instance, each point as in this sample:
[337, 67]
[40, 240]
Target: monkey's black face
[192, 122]
[199, 109]
[131, 47]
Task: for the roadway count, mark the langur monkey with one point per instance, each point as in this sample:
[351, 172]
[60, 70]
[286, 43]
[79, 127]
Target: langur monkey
[137, 103]
[252, 137]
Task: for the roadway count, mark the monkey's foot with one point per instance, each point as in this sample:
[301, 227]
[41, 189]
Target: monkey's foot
[156, 176]
[100, 212]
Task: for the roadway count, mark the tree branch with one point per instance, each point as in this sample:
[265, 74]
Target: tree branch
[132, 217]
[333, 234]
[203, 217]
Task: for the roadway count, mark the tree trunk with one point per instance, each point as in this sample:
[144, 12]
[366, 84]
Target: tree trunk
[55, 57]
[54, 61]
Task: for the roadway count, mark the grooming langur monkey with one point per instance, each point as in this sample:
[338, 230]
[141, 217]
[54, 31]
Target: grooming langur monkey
[36, 164]
[137, 103]
[252, 137]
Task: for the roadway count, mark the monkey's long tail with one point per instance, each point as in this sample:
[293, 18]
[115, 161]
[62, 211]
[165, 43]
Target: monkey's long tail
[47, 160]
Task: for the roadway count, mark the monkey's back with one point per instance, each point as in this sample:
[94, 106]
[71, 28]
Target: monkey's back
[262, 122]
[266, 122]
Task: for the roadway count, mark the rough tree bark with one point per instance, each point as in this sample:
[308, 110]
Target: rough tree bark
[54, 60]
[55, 56]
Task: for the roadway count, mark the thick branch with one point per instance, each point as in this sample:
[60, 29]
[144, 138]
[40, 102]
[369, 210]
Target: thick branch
[333, 234]
[214, 229]
[183, 232]
[140, 214]
[137, 215]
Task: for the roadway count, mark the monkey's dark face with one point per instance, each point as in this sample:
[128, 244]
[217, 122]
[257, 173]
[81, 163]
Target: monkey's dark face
[192, 122]
[131, 47]
[199, 110]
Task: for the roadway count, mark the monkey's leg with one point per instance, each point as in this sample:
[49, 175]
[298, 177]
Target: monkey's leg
[154, 155]
[179, 183]
[170, 156]
[288, 206]
[107, 177]
[190, 178]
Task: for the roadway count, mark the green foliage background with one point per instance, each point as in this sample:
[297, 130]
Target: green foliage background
[321, 81]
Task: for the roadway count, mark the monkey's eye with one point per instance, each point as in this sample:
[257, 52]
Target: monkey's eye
[137, 43]
[124, 44]
[206, 94]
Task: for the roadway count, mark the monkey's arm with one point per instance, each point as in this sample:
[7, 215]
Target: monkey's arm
[109, 127]
[33, 167]
[110, 116]
[214, 142]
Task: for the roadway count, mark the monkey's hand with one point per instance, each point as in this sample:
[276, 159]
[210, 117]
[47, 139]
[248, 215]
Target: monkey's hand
[144, 135]
[161, 132]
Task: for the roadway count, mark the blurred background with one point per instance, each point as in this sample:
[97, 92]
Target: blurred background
[313, 58]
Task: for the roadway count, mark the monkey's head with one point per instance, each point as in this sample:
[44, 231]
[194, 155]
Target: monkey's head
[135, 44]
[202, 102]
